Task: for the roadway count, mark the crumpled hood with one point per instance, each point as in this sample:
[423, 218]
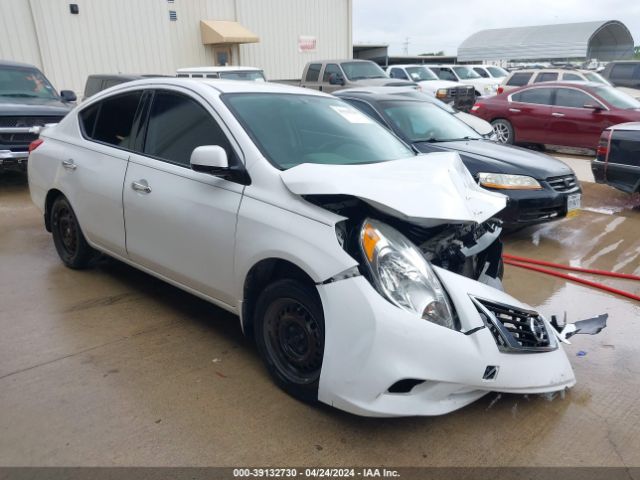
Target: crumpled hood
[426, 189]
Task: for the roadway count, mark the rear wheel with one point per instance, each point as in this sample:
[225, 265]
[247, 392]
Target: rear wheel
[72, 247]
[503, 130]
[289, 332]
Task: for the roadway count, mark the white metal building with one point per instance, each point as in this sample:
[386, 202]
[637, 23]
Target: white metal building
[70, 39]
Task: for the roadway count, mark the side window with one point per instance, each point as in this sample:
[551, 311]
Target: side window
[398, 73]
[196, 75]
[570, 77]
[623, 71]
[546, 77]
[313, 72]
[366, 109]
[539, 96]
[446, 74]
[519, 79]
[111, 120]
[481, 71]
[328, 70]
[211, 75]
[182, 75]
[177, 125]
[568, 97]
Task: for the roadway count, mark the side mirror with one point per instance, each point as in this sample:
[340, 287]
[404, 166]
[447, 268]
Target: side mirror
[593, 106]
[68, 96]
[213, 159]
[336, 79]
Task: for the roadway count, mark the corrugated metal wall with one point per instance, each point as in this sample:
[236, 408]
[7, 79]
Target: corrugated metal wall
[136, 36]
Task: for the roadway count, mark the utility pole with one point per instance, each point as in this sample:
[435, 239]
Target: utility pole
[405, 46]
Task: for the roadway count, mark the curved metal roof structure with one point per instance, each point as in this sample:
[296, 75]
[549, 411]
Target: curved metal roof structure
[604, 40]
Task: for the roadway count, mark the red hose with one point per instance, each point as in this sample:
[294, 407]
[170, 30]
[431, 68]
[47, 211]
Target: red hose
[572, 278]
[573, 269]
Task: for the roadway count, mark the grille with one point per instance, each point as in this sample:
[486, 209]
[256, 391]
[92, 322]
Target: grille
[539, 214]
[515, 330]
[564, 183]
[27, 121]
[17, 139]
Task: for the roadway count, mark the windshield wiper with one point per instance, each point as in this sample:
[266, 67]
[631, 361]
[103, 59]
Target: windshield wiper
[457, 139]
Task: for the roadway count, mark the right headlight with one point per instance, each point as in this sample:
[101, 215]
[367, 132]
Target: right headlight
[402, 275]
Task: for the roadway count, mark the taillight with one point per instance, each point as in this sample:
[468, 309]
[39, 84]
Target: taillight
[500, 90]
[476, 107]
[603, 146]
[35, 144]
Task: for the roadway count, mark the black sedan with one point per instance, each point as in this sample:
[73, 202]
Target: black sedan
[540, 188]
[618, 160]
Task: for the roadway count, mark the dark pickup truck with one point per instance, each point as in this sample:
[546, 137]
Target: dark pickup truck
[618, 159]
[28, 102]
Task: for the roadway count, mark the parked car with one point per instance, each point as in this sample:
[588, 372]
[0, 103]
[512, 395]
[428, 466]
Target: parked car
[28, 101]
[332, 75]
[98, 82]
[252, 74]
[618, 157]
[569, 114]
[521, 78]
[468, 76]
[624, 75]
[353, 262]
[485, 129]
[490, 71]
[540, 188]
[459, 96]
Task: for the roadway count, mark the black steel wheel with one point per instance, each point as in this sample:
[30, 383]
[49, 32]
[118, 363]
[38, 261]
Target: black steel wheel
[289, 332]
[72, 247]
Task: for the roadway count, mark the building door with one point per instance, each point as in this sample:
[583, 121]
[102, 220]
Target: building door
[223, 55]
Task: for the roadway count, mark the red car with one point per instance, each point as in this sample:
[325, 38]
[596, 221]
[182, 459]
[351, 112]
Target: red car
[557, 113]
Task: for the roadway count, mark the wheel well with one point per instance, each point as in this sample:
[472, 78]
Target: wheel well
[48, 203]
[262, 274]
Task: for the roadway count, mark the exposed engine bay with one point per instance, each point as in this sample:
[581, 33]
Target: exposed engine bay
[468, 249]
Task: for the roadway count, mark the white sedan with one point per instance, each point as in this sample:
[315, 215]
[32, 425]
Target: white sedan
[352, 261]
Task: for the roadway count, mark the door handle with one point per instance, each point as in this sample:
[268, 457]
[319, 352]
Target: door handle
[141, 186]
[556, 114]
[514, 110]
[69, 164]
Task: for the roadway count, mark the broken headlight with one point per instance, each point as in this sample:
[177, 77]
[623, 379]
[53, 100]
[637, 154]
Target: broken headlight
[402, 275]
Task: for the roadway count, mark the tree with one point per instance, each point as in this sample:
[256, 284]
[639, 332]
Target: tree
[433, 54]
[636, 52]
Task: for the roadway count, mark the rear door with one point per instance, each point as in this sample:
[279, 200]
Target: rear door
[574, 125]
[180, 223]
[312, 77]
[98, 169]
[529, 111]
[623, 162]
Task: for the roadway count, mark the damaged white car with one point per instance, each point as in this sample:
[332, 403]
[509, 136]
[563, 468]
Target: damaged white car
[353, 262]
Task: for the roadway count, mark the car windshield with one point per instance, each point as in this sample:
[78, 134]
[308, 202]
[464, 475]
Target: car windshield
[25, 82]
[425, 122]
[362, 70]
[615, 97]
[466, 73]
[596, 77]
[291, 129]
[250, 75]
[421, 74]
[497, 72]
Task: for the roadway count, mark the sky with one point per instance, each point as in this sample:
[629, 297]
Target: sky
[432, 25]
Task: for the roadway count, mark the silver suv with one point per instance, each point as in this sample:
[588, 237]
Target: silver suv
[520, 78]
[331, 75]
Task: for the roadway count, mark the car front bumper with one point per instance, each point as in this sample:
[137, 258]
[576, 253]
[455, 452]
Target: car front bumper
[530, 207]
[371, 345]
[14, 160]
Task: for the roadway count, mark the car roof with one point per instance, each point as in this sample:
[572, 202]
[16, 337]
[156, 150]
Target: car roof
[215, 69]
[7, 63]
[342, 60]
[225, 86]
[586, 85]
[553, 70]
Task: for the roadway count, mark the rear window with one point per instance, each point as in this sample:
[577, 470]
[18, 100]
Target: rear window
[519, 79]
[110, 121]
[539, 96]
[313, 72]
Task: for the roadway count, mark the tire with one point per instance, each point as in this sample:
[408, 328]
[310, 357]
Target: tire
[504, 131]
[289, 332]
[72, 247]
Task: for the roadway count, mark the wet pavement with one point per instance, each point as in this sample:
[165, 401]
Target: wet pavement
[112, 367]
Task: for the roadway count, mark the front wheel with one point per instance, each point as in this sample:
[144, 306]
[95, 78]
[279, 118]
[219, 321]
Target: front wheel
[503, 130]
[72, 247]
[289, 332]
